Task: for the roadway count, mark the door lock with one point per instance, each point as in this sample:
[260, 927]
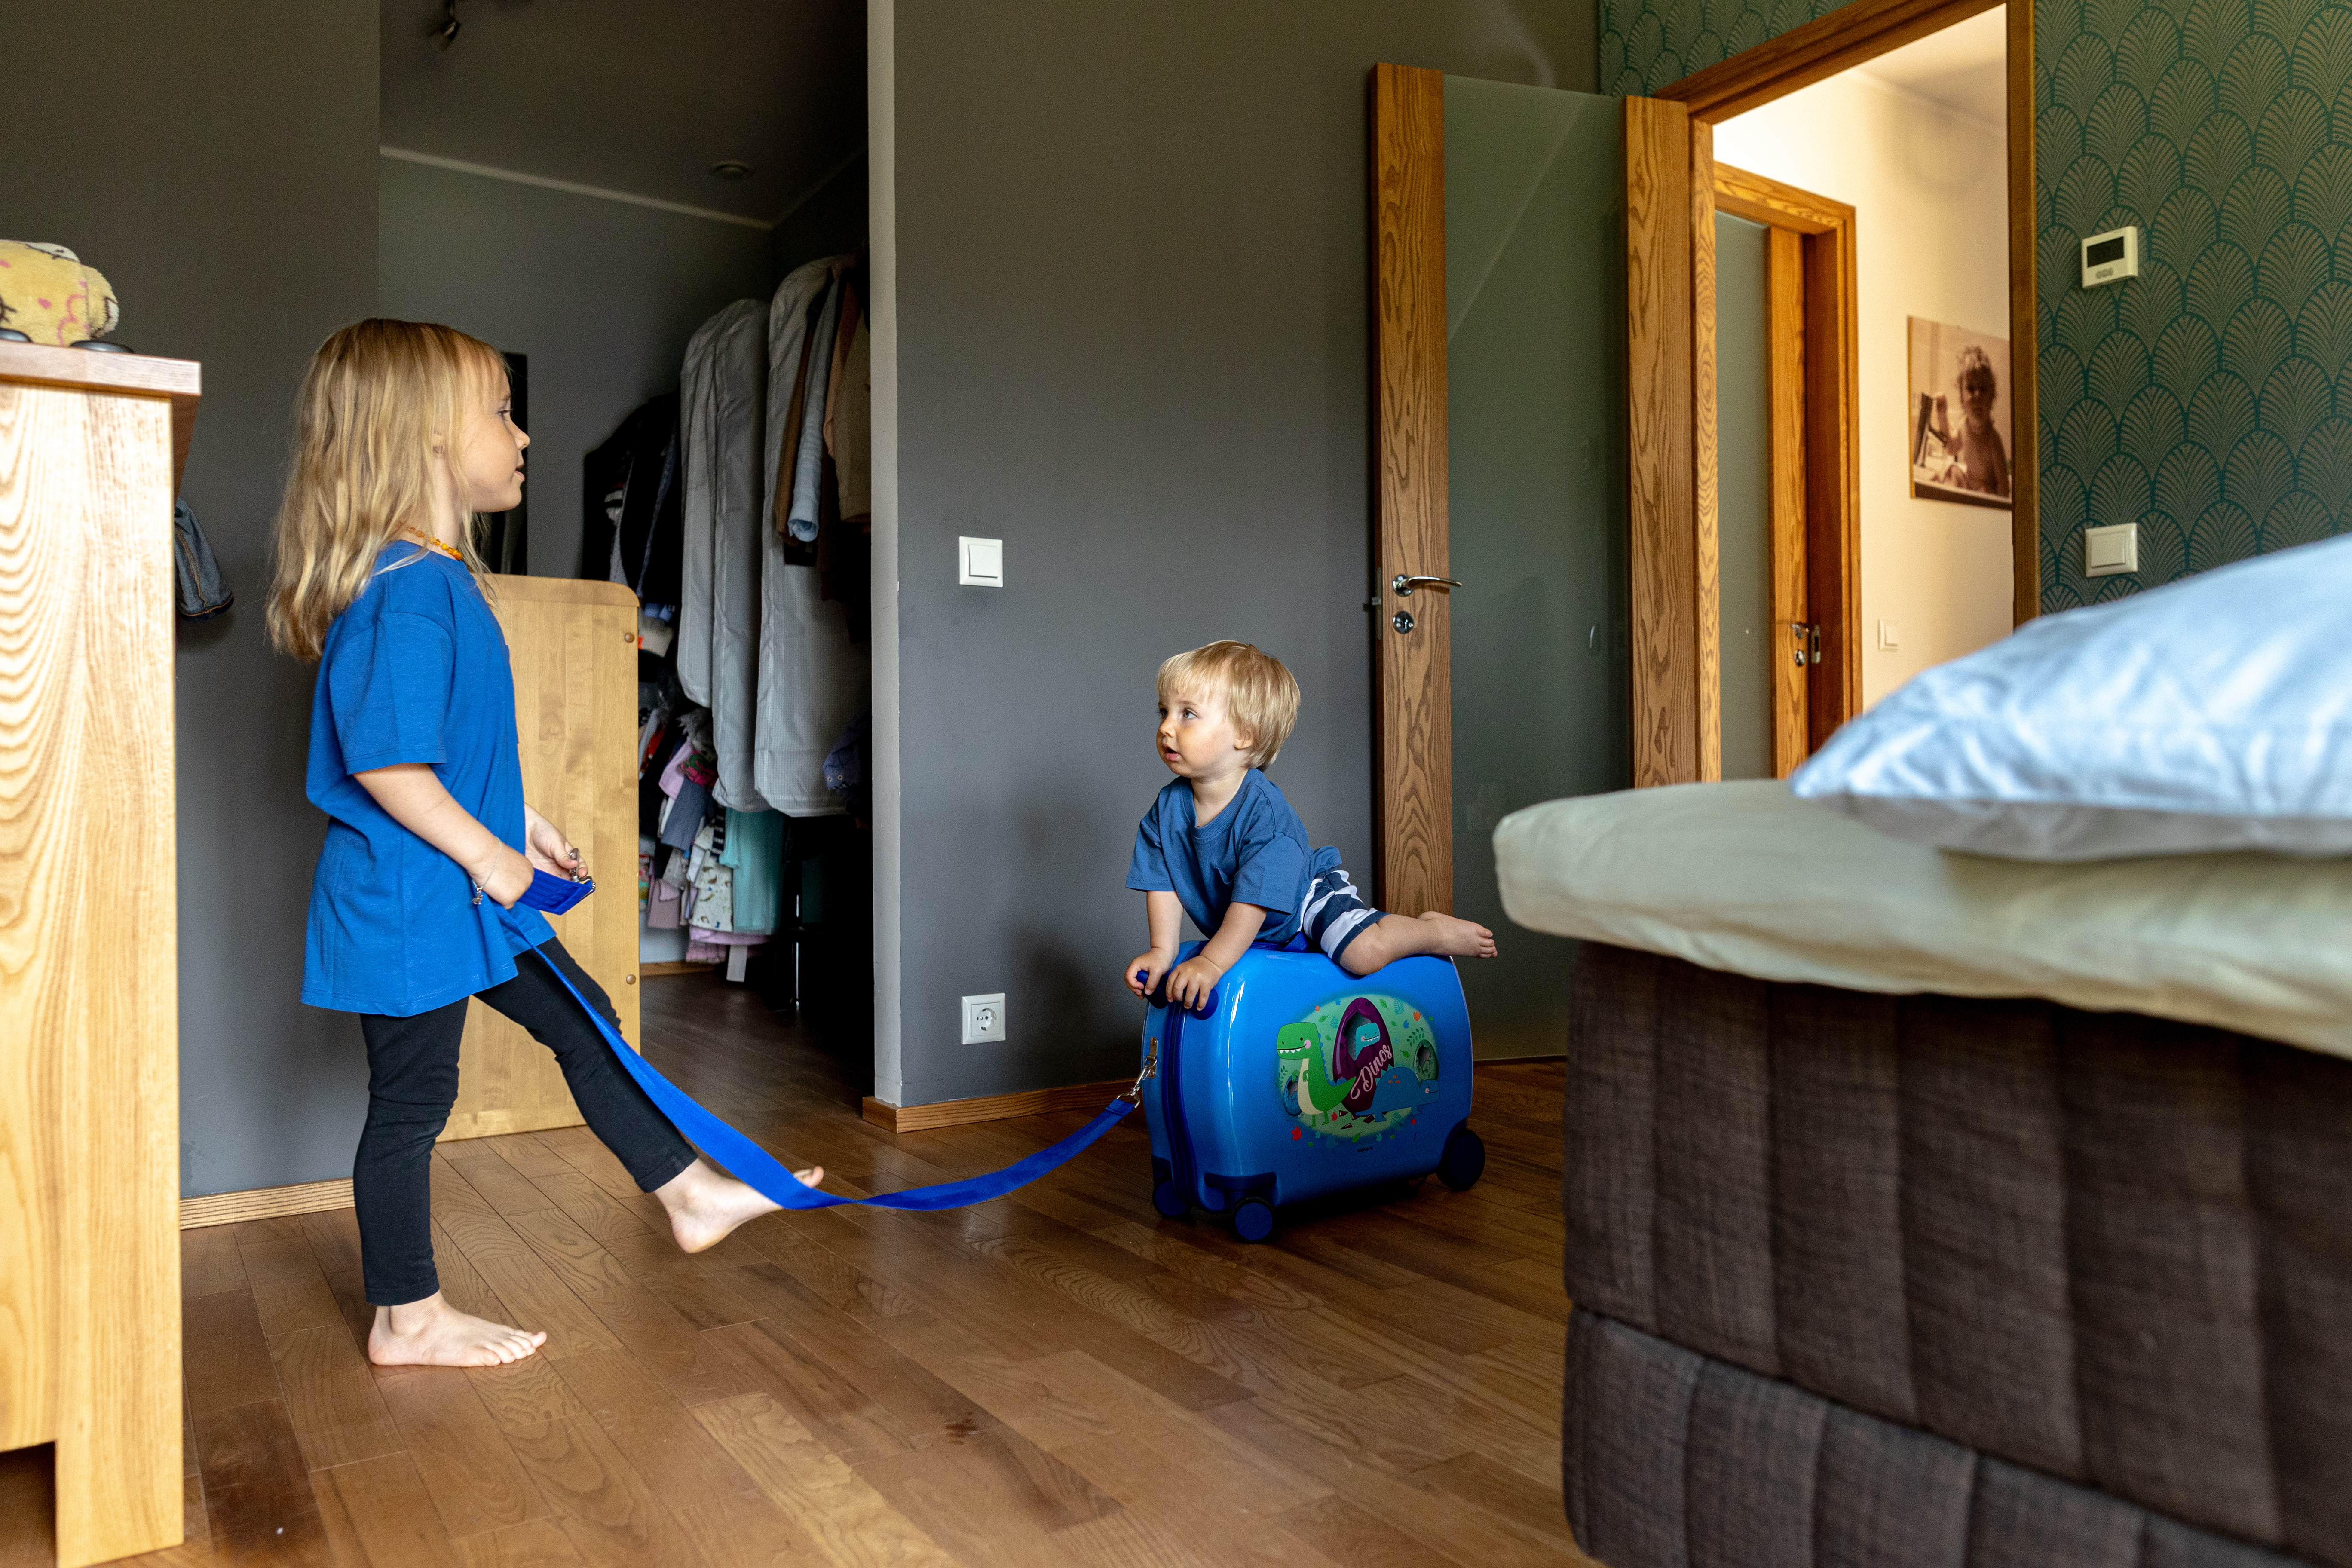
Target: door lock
[1805, 642]
[1402, 621]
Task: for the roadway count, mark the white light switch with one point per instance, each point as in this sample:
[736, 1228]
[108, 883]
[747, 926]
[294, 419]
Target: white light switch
[2109, 551]
[980, 563]
[983, 1018]
[1886, 637]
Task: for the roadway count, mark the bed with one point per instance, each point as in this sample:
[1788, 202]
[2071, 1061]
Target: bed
[1930, 1209]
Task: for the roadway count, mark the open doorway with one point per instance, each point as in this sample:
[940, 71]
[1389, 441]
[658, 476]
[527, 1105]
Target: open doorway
[667, 224]
[1901, 161]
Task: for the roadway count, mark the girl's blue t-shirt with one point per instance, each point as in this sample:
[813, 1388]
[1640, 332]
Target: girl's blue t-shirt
[415, 671]
[1253, 852]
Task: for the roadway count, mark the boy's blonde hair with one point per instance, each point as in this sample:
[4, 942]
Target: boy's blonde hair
[377, 397]
[1260, 694]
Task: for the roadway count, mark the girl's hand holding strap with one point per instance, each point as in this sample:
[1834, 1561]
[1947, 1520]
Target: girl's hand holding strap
[412, 795]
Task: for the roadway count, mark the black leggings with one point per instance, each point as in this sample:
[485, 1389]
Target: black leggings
[413, 1084]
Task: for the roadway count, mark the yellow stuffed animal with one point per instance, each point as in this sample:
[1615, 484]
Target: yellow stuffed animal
[49, 296]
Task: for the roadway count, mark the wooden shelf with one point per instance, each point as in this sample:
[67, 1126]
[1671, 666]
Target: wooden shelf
[141, 376]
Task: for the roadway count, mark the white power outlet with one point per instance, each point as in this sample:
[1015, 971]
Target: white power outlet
[984, 1019]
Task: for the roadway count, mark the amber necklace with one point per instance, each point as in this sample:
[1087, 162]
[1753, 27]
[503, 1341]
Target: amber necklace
[432, 543]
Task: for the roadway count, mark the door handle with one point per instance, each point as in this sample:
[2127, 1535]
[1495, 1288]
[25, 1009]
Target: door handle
[1403, 587]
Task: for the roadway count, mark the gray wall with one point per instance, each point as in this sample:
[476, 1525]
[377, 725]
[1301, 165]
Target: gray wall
[221, 172]
[1132, 292]
[830, 222]
[600, 295]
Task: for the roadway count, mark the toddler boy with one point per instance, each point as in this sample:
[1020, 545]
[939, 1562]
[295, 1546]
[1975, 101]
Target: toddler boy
[1221, 844]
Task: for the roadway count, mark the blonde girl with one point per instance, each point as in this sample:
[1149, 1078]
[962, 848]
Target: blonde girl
[405, 434]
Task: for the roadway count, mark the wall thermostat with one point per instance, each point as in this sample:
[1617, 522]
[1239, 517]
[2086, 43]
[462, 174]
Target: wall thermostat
[2110, 258]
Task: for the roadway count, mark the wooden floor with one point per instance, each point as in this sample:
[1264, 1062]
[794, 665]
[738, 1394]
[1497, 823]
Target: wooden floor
[1061, 1377]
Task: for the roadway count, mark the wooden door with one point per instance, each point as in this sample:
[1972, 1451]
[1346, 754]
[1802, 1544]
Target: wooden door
[1816, 521]
[575, 648]
[1669, 561]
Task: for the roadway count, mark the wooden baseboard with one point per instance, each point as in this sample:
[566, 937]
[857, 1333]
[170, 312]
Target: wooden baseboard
[265, 1203]
[991, 1107]
[676, 966]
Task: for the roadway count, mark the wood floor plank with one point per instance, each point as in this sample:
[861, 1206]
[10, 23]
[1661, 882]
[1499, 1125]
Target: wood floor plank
[608, 1511]
[377, 1512]
[28, 1526]
[330, 1397]
[848, 1524]
[533, 1296]
[506, 1189]
[289, 1292]
[534, 1543]
[652, 1429]
[1371, 1488]
[334, 1238]
[843, 1418]
[210, 1262]
[637, 1319]
[258, 1497]
[748, 1529]
[527, 1393]
[234, 1368]
[472, 1475]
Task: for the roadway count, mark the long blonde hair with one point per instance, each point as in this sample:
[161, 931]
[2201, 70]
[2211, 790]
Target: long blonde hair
[378, 396]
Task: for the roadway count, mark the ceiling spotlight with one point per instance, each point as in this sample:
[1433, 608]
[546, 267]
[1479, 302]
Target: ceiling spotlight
[732, 169]
[446, 33]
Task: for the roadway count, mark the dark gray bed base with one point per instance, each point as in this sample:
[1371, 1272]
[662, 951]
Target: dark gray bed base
[1896, 1280]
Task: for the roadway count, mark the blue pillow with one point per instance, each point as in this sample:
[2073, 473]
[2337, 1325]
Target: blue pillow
[2213, 713]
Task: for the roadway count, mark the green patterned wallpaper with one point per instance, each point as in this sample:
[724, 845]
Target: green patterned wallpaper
[2209, 398]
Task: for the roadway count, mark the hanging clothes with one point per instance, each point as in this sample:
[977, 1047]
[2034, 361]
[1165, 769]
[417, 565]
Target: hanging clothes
[739, 377]
[808, 461]
[698, 429]
[852, 418]
[632, 504]
[755, 854]
[812, 680]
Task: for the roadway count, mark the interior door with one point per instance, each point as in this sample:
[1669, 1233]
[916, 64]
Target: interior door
[1504, 465]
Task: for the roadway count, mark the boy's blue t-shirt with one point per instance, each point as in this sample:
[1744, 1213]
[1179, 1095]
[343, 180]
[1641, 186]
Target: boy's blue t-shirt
[1253, 852]
[415, 671]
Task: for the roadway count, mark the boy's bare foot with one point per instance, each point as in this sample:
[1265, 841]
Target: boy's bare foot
[705, 1206]
[431, 1333]
[1457, 938]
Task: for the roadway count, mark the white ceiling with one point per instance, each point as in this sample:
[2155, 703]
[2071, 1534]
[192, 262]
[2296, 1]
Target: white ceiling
[634, 96]
[1964, 68]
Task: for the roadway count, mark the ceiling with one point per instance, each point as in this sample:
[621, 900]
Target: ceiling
[1963, 67]
[634, 96]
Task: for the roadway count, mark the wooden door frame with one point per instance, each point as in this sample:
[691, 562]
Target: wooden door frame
[1855, 34]
[1816, 485]
[1412, 703]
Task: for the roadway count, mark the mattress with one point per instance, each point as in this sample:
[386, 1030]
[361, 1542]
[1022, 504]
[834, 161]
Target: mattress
[1748, 878]
[1918, 1280]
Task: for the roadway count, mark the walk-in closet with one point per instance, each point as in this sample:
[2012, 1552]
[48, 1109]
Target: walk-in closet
[659, 217]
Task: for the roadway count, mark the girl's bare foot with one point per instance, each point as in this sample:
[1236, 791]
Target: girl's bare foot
[431, 1333]
[705, 1206]
[1457, 938]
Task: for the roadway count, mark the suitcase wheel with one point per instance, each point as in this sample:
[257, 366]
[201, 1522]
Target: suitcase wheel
[1254, 1221]
[1464, 1161]
[1167, 1200]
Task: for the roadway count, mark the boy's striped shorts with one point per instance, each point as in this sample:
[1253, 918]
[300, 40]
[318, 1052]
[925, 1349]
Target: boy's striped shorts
[1334, 914]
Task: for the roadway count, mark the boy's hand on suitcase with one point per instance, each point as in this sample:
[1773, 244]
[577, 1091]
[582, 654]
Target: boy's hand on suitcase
[1192, 983]
[1144, 970]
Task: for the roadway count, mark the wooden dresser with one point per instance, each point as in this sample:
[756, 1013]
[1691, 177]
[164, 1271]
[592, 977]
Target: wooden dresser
[90, 450]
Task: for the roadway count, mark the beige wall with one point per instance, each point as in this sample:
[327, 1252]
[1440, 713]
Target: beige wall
[1929, 191]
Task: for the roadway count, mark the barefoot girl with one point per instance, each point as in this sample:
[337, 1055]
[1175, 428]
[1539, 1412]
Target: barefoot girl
[405, 433]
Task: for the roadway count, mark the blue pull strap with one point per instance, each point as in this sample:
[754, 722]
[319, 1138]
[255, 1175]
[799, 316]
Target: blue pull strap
[767, 1174]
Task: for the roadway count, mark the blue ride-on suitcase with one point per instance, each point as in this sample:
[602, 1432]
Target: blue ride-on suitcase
[1301, 1079]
